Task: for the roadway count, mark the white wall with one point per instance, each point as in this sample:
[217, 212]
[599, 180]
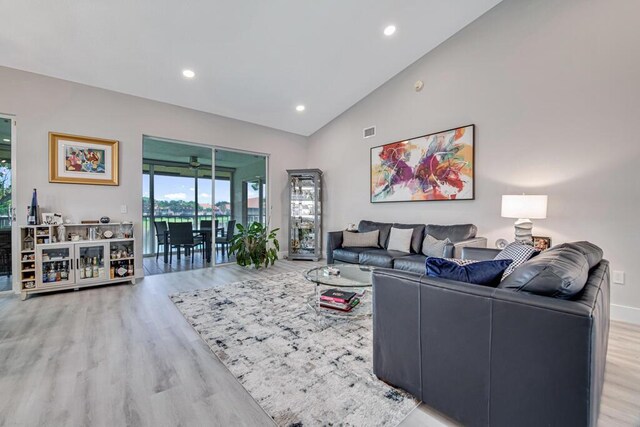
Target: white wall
[42, 104]
[554, 90]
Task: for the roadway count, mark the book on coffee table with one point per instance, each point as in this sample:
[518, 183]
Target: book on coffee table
[340, 306]
[336, 295]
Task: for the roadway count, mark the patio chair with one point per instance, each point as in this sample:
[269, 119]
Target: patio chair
[181, 236]
[161, 227]
[225, 239]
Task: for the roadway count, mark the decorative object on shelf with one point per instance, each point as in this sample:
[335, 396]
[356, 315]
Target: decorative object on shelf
[524, 208]
[126, 229]
[51, 218]
[32, 211]
[305, 214]
[107, 234]
[438, 166]
[541, 243]
[89, 221]
[255, 245]
[77, 159]
[105, 220]
[92, 233]
[501, 243]
[62, 233]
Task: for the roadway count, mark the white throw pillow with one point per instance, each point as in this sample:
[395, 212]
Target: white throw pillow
[360, 240]
[400, 239]
[434, 247]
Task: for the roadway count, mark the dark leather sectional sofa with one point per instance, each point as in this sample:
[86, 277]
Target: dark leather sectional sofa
[493, 356]
[462, 235]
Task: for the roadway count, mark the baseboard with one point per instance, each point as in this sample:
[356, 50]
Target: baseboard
[625, 313]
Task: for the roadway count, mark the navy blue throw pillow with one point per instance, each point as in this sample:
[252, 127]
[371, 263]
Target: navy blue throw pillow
[485, 273]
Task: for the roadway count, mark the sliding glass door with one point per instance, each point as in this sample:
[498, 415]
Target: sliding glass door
[6, 207]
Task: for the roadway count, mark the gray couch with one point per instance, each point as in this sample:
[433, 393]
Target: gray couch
[461, 235]
[492, 356]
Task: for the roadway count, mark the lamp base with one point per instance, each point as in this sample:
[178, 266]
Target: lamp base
[523, 231]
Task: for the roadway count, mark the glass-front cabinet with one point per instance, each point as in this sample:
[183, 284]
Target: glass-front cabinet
[55, 265]
[90, 262]
[305, 214]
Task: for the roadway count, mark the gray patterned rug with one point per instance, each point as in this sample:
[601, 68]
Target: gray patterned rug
[302, 370]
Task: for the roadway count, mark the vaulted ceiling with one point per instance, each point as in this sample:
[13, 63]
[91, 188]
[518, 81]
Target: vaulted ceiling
[254, 60]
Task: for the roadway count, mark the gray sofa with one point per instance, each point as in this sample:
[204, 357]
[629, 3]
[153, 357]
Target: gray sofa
[461, 235]
[493, 356]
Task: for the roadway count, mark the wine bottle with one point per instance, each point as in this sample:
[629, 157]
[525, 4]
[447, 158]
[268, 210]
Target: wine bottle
[58, 272]
[88, 270]
[96, 270]
[32, 219]
[101, 268]
[81, 269]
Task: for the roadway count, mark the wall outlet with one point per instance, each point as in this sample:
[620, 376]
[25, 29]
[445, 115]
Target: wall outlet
[123, 209]
[618, 277]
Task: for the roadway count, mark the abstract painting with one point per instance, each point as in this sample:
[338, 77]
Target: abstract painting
[82, 160]
[432, 167]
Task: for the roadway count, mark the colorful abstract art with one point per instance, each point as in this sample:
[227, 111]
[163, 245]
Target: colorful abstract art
[438, 166]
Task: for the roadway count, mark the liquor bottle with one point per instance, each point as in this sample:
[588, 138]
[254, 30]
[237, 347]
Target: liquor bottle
[52, 272]
[45, 273]
[81, 269]
[130, 269]
[58, 272]
[101, 268]
[96, 269]
[32, 219]
[88, 270]
[121, 271]
[64, 273]
[112, 273]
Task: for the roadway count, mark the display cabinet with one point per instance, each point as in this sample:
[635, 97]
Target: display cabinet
[83, 257]
[305, 214]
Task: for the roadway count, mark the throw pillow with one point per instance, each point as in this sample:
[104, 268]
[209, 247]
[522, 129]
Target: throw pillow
[434, 247]
[518, 253]
[360, 240]
[485, 273]
[400, 239]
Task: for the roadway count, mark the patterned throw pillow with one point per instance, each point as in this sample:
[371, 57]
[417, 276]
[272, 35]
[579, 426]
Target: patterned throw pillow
[519, 253]
[462, 261]
[434, 247]
[400, 239]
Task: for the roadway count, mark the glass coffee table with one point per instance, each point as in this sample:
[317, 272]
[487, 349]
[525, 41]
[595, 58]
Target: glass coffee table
[343, 277]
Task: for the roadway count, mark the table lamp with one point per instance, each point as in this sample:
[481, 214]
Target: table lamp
[524, 208]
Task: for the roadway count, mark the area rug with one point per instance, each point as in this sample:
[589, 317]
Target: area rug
[302, 369]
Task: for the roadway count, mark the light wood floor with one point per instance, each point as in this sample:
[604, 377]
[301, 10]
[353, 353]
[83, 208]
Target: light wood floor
[124, 355]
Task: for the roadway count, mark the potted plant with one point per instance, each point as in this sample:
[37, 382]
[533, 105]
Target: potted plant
[255, 245]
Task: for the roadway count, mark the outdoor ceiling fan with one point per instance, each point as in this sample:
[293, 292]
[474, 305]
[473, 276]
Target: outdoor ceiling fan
[193, 162]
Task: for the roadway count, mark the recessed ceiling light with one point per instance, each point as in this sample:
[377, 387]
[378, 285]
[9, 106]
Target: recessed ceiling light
[188, 74]
[389, 30]
[300, 108]
[6, 140]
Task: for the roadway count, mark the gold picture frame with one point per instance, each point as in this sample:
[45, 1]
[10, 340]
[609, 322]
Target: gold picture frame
[75, 159]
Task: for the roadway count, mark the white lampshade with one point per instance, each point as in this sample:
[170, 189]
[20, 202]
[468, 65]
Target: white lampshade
[524, 206]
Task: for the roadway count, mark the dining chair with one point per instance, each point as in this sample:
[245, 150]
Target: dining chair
[225, 239]
[161, 228]
[181, 236]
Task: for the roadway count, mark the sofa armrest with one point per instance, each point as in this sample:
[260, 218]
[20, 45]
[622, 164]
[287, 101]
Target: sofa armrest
[479, 254]
[476, 242]
[334, 241]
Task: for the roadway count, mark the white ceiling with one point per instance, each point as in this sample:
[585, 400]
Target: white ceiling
[255, 60]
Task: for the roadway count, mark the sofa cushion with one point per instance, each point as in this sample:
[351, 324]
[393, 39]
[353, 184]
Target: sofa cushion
[413, 263]
[455, 233]
[350, 255]
[380, 257]
[360, 240]
[400, 239]
[485, 273]
[434, 247]
[519, 253]
[384, 228]
[592, 252]
[559, 272]
[416, 237]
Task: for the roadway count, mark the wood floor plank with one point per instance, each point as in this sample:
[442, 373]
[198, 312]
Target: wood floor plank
[124, 355]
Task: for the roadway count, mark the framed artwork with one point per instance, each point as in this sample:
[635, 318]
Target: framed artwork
[541, 243]
[82, 160]
[434, 167]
